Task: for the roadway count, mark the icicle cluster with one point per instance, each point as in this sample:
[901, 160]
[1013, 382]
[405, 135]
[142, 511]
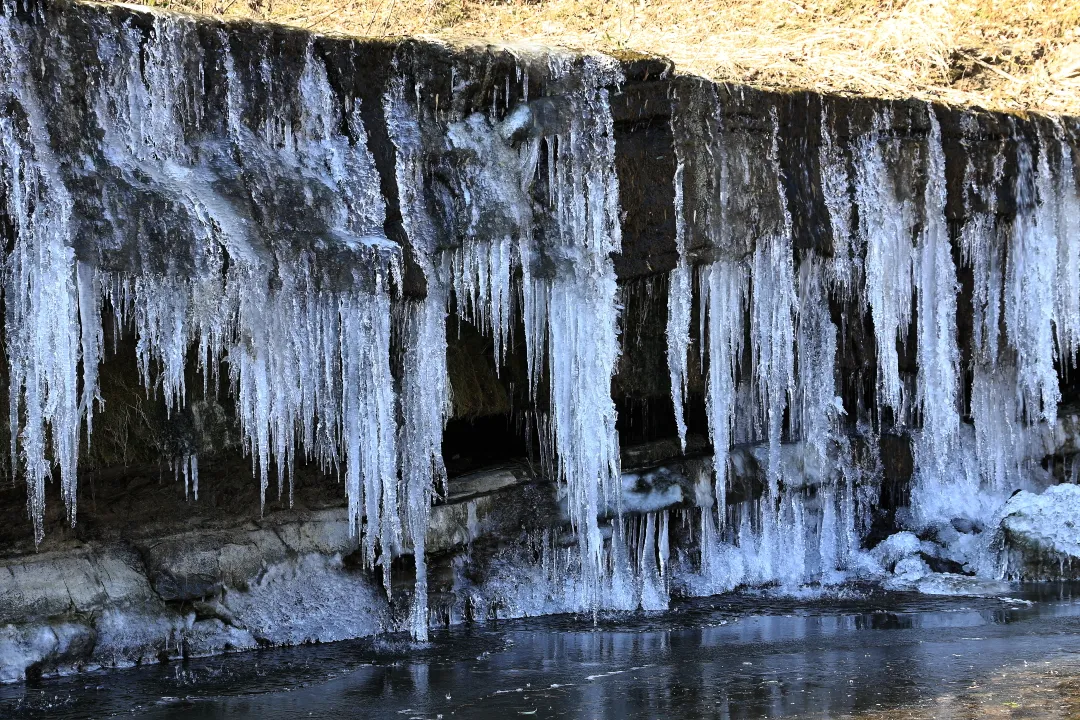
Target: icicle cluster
[425, 395]
[559, 230]
[308, 354]
[44, 301]
[572, 315]
[937, 354]
[887, 225]
[249, 237]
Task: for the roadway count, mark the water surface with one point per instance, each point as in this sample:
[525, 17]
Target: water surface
[735, 656]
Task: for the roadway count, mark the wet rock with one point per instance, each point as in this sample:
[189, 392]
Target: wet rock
[196, 564]
[942, 565]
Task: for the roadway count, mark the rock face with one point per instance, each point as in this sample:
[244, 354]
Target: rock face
[314, 337]
[290, 578]
[189, 594]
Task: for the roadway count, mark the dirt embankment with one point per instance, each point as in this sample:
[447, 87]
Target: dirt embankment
[1000, 54]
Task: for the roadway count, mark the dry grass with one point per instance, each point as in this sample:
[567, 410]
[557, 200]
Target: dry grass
[1004, 54]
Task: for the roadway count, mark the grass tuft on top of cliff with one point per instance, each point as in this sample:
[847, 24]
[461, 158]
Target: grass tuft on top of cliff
[1001, 54]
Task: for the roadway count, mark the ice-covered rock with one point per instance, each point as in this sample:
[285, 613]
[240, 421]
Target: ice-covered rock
[890, 551]
[911, 568]
[1042, 533]
[300, 601]
[29, 650]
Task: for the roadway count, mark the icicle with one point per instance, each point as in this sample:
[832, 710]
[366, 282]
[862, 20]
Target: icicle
[997, 417]
[723, 301]
[938, 383]
[664, 550]
[425, 396]
[845, 264]
[982, 248]
[993, 404]
[1066, 202]
[829, 535]
[496, 176]
[91, 340]
[653, 595]
[817, 406]
[424, 402]
[193, 472]
[678, 316]
[42, 333]
[772, 342]
[1030, 272]
[886, 227]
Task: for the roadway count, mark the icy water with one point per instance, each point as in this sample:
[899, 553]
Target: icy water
[738, 656]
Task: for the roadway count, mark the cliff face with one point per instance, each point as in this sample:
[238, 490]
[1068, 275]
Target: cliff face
[574, 332]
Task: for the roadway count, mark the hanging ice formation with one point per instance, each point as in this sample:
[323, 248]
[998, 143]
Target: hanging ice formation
[887, 219]
[41, 294]
[224, 206]
[559, 229]
[425, 395]
[300, 310]
[571, 314]
[750, 281]
[680, 297]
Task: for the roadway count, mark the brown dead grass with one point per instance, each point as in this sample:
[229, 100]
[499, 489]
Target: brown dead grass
[1003, 54]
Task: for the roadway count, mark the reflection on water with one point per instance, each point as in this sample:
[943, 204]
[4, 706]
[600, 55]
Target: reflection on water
[738, 656]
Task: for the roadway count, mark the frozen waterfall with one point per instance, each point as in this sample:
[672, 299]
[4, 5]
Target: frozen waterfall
[856, 291]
